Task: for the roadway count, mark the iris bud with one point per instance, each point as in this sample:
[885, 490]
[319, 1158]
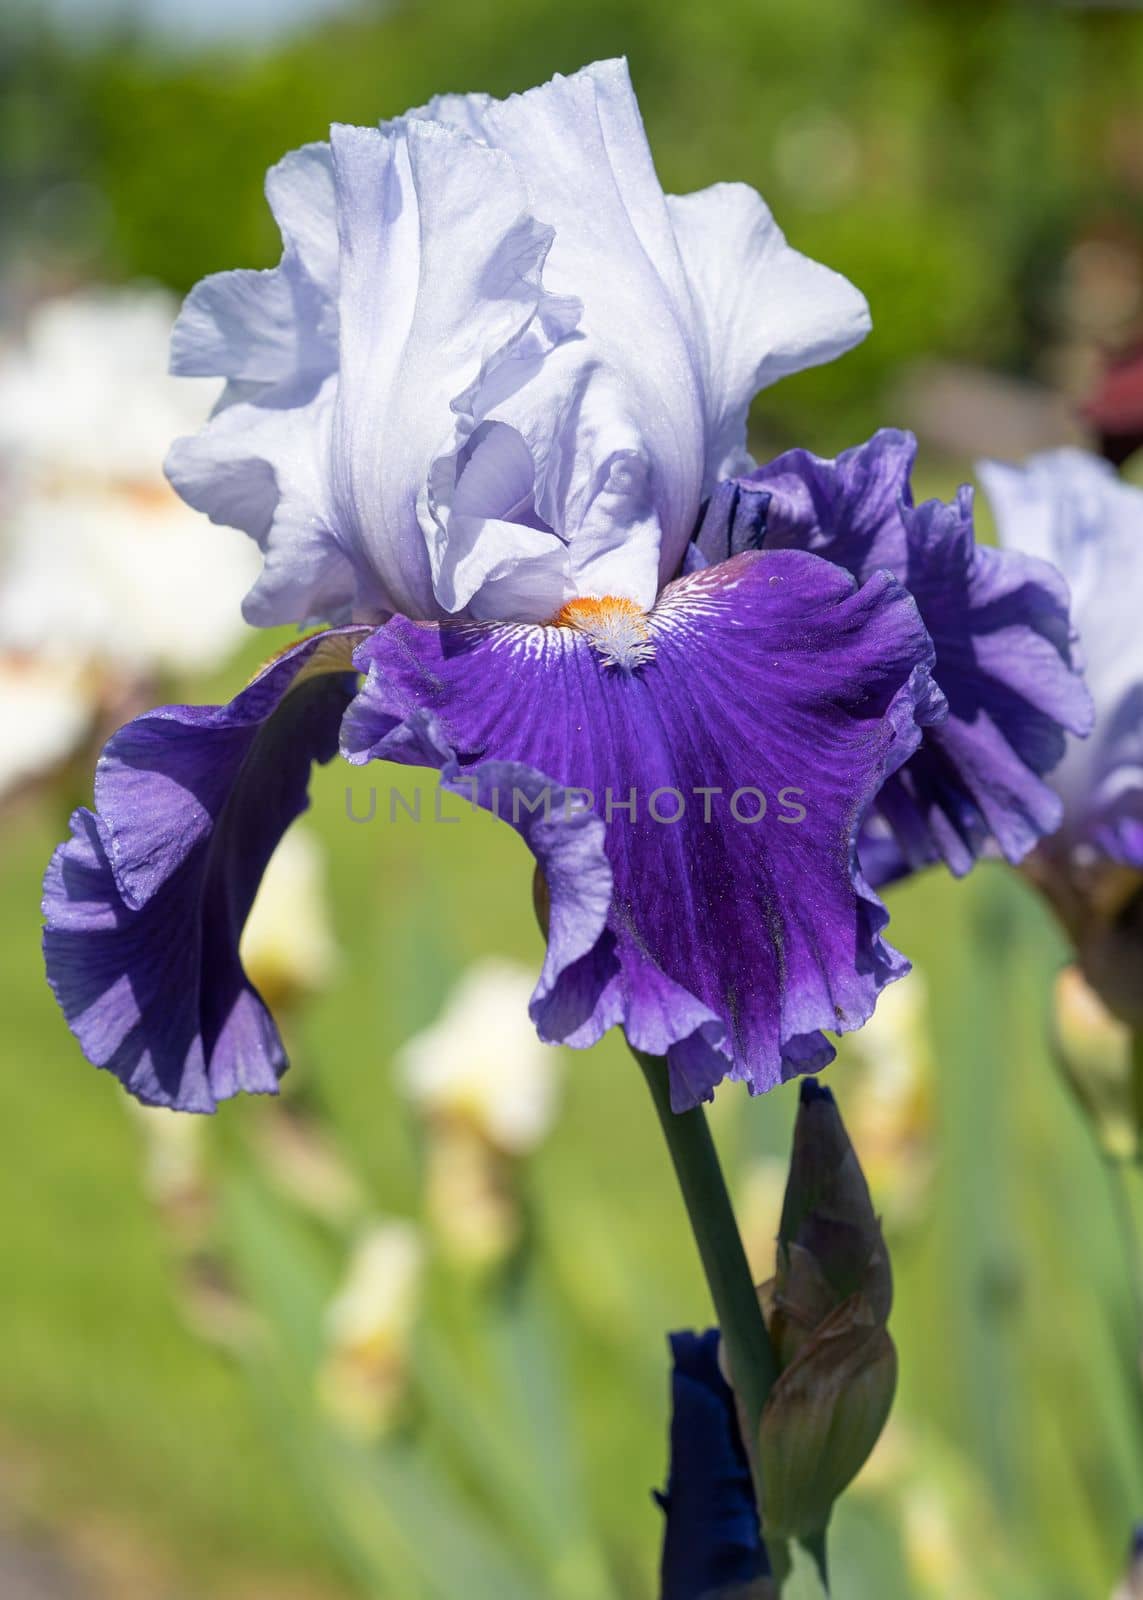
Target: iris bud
[826, 1309]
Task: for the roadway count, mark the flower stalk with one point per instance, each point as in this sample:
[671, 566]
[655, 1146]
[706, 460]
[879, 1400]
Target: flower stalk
[749, 1353]
[1137, 1090]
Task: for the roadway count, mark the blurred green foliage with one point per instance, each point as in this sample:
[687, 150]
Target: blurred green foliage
[944, 156]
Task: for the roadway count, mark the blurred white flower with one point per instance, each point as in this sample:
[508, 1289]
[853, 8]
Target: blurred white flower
[44, 711]
[85, 392]
[481, 1064]
[472, 1199]
[933, 1546]
[177, 1182]
[287, 945]
[887, 1093]
[120, 573]
[893, 1046]
[105, 576]
[369, 1328]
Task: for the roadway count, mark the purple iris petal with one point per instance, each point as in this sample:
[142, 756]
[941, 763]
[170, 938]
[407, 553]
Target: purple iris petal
[882, 859]
[770, 698]
[733, 520]
[145, 903]
[711, 1543]
[1000, 626]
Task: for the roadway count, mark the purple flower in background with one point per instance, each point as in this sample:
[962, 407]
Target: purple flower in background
[712, 1544]
[999, 622]
[1072, 509]
[473, 418]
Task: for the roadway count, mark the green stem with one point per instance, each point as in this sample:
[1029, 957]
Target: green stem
[1137, 1091]
[1124, 1181]
[749, 1352]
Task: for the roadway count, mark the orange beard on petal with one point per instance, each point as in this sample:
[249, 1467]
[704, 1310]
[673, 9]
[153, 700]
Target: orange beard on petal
[616, 628]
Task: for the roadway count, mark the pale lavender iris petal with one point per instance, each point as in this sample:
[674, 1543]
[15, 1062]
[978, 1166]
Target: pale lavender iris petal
[440, 284]
[497, 368]
[1072, 509]
[1000, 625]
[277, 327]
[262, 465]
[614, 421]
[497, 552]
[262, 461]
[145, 904]
[762, 311]
[326, 444]
[691, 305]
[729, 944]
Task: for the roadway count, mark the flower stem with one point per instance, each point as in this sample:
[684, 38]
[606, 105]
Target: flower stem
[1137, 1091]
[1124, 1184]
[749, 1352]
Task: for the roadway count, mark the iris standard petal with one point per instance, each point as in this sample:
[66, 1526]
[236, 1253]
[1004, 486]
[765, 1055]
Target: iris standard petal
[440, 283]
[145, 903]
[712, 1544]
[1072, 509]
[411, 270]
[765, 702]
[496, 556]
[261, 463]
[655, 418]
[614, 420]
[1000, 626]
[497, 368]
[762, 311]
[277, 327]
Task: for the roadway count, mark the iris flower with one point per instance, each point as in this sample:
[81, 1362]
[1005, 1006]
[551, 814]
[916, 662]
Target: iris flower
[474, 421]
[1072, 509]
[712, 1544]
